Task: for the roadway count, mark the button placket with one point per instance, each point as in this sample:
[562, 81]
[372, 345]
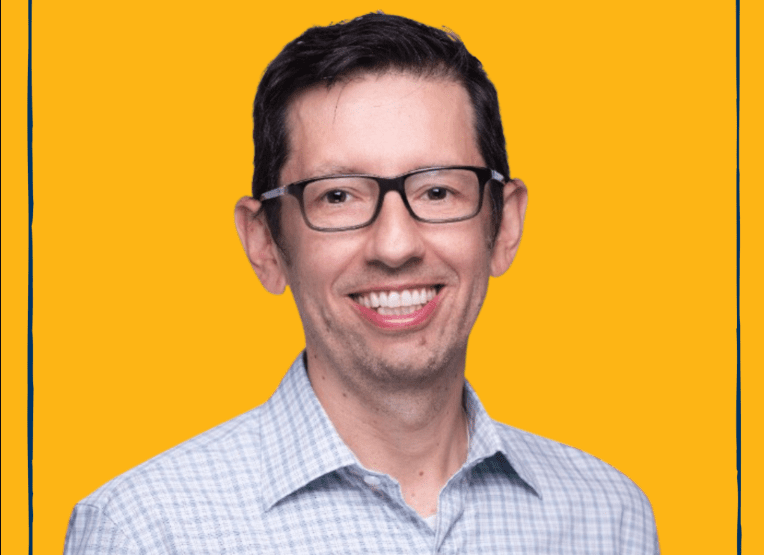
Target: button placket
[450, 509]
[375, 484]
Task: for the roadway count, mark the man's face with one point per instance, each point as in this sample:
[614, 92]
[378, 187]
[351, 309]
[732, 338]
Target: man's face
[385, 125]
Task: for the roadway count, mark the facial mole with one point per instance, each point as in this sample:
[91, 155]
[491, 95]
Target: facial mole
[421, 472]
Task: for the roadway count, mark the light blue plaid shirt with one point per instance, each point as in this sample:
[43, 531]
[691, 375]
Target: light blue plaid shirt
[279, 479]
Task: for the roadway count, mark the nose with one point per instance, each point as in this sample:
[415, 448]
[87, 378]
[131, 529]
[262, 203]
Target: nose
[395, 235]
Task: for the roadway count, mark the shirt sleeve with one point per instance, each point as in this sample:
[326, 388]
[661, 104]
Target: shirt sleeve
[92, 532]
[639, 535]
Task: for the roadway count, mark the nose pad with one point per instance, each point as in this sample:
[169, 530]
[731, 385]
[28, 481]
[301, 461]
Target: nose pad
[396, 235]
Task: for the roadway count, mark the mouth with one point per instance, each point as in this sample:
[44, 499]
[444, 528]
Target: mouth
[396, 309]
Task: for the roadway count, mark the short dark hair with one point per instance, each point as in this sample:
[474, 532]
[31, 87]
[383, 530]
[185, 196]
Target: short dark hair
[374, 43]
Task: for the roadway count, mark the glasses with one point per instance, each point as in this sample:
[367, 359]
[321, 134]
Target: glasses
[433, 195]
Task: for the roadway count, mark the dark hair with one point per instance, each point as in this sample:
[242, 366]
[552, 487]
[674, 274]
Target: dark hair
[373, 43]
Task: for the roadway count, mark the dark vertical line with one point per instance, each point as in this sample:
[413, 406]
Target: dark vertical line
[737, 275]
[30, 349]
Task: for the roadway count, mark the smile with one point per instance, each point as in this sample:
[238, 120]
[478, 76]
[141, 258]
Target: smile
[398, 309]
[389, 303]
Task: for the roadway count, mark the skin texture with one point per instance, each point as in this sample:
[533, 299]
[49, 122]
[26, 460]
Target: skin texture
[394, 395]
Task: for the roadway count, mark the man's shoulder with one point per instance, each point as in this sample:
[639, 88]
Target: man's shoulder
[211, 464]
[564, 472]
[577, 496]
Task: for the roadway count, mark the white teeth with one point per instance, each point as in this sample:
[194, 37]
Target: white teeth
[397, 302]
[406, 298]
[400, 311]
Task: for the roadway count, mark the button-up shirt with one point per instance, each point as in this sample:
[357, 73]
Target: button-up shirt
[280, 480]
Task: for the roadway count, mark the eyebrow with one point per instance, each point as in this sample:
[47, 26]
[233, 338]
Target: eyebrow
[335, 169]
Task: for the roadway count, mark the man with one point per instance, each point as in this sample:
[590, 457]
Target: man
[382, 198]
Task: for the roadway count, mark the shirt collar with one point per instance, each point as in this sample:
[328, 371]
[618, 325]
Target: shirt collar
[486, 442]
[300, 443]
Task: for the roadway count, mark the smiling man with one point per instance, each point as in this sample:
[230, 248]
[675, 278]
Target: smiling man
[382, 198]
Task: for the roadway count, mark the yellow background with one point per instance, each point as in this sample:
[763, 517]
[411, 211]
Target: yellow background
[613, 332]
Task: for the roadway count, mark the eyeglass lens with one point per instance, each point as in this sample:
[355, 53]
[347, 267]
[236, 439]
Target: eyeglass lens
[438, 195]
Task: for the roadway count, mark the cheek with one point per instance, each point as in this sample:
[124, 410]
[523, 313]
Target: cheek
[319, 262]
[466, 249]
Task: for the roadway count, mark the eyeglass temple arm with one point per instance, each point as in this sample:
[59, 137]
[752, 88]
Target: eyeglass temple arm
[273, 193]
[497, 176]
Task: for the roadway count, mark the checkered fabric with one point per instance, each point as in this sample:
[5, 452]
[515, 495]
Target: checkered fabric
[280, 480]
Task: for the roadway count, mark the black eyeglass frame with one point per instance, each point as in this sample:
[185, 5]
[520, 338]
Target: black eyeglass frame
[387, 184]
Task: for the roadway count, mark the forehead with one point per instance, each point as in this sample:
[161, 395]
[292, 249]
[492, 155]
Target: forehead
[382, 124]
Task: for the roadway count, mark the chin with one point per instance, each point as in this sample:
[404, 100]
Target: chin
[403, 369]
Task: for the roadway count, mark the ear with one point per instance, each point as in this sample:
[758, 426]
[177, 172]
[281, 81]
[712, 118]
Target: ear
[513, 216]
[263, 254]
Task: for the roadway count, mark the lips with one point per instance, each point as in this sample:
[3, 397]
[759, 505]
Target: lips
[398, 309]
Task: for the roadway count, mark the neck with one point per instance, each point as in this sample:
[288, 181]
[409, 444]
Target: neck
[417, 434]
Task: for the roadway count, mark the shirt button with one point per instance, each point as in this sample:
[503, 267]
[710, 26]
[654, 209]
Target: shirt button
[372, 481]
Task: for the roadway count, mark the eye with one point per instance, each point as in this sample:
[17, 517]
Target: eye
[336, 196]
[436, 193]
